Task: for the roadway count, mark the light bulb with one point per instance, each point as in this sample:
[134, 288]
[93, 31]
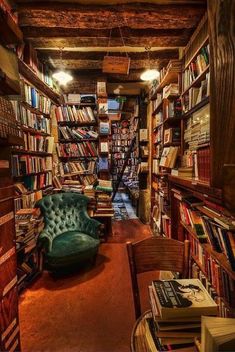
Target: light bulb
[149, 75]
[62, 77]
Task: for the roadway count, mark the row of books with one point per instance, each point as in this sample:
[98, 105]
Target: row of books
[84, 149]
[218, 233]
[37, 182]
[28, 118]
[216, 282]
[73, 113]
[38, 143]
[196, 94]
[77, 133]
[103, 206]
[76, 167]
[121, 142]
[27, 164]
[197, 131]
[27, 199]
[35, 99]
[28, 54]
[173, 66]
[196, 67]
[8, 123]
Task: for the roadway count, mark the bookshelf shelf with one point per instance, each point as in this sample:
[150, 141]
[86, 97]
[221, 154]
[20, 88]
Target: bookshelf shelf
[79, 157]
[76, 123]
[172, 144]
[32, 174]
[30, 152]
[170, 77]
[10, 33]
[31, 76]
[198, 106]
[197, 81]
[34, 110]
[193, 57]
[202, 187]
[34, 132]
[78, 140]
[173, 120]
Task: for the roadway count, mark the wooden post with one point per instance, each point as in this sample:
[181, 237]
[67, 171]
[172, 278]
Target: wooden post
[221, 16]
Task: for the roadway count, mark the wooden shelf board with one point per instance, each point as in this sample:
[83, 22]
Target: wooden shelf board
[31, 76]
[197, 107]
[197, 80]
[10, 32]
[171, 120]
[171, 144]
[78, 157]
[77, 123]
[33, 131]
[32, 174]
[199, 186]
[30, 152]
[34, 110]
[77, 140]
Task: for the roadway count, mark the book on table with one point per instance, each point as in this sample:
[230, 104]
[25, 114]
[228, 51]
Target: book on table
[182, 298]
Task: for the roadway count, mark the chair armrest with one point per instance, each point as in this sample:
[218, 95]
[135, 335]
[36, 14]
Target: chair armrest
[44, 241]
[91, 226]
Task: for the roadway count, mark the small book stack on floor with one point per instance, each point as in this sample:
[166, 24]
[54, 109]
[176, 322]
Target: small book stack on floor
[177, 307]
[103, 198]
[29, 224]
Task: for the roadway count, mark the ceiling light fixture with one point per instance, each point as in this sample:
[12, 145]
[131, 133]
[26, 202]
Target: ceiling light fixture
[61, 76]
[149, 74]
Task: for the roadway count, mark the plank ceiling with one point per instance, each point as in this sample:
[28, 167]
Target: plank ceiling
[82, 28]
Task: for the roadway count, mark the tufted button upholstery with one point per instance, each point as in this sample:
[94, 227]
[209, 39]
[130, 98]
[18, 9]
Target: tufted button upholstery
[65, 214]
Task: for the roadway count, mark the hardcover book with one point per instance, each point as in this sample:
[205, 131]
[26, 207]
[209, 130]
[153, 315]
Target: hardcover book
[183, 298]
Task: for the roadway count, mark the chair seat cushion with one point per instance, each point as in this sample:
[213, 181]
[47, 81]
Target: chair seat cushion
[72, 247]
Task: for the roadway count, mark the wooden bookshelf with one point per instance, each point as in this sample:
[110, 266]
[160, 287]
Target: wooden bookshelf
[8, 86]
[197, 107]
[31, 76]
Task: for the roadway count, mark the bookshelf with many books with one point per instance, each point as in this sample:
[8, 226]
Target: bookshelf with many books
[166, 143]
[32, 167]
[123, 133]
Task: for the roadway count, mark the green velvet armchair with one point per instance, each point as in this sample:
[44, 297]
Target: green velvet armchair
[70, 236]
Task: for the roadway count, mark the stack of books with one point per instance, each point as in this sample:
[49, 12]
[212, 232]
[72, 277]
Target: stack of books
[29, 223]
[72, 186]
[177, 307]
[104, 185]
[103, 204]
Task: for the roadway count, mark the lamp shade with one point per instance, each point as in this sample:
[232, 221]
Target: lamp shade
[149, 75]
[62, 77]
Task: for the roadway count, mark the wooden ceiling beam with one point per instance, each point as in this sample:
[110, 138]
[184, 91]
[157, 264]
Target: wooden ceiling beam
[99, 55]
[135, 16]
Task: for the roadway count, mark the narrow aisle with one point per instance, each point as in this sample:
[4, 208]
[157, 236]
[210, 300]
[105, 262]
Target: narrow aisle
[86, 312]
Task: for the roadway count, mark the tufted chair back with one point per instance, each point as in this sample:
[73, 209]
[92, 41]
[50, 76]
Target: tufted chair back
[64, 212]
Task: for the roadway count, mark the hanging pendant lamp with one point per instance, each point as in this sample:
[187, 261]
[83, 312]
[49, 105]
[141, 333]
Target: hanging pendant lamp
[149, 74]
[61, 76]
